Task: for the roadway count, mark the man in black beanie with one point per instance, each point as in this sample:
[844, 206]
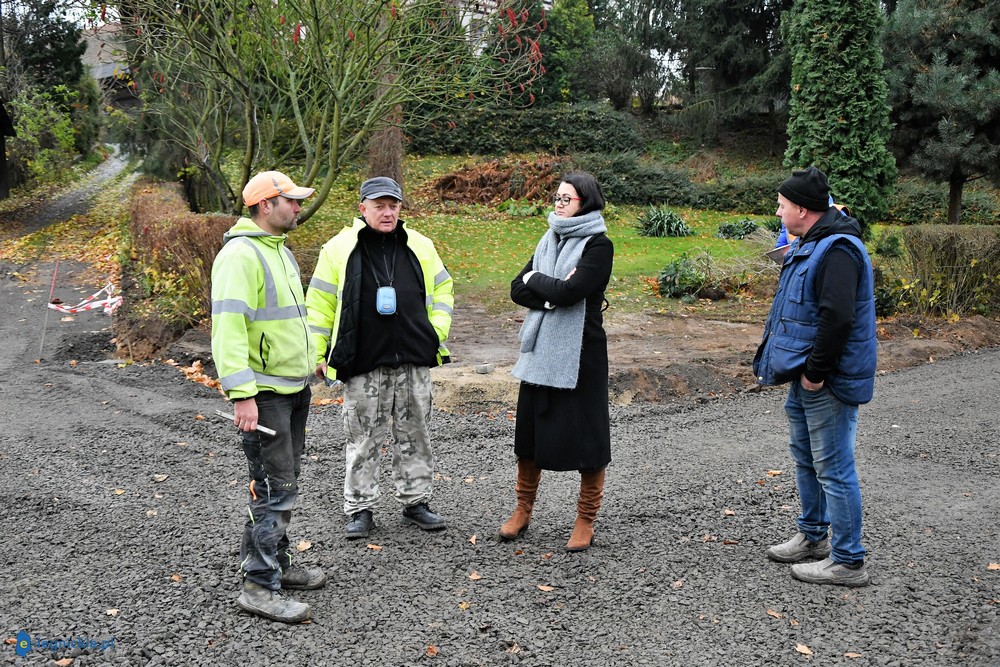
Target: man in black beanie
[820, 337]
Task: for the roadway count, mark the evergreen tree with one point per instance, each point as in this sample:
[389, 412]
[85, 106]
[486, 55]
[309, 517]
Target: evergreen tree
[50, 46]
[838, 111]
[945, 83]
[567, 37]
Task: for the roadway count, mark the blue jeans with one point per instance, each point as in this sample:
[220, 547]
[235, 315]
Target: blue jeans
[823, 432]
[274, 463]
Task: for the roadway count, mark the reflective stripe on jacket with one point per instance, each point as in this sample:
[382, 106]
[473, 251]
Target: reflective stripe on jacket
[791, 325]
[328, 319]
[260, 335]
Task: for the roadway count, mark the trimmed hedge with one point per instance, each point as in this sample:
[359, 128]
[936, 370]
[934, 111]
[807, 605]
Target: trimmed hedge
[916, 202]
[559, 129]
[756, 195]
[626, 180]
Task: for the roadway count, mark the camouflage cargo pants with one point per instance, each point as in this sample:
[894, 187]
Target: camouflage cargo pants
[400, 397]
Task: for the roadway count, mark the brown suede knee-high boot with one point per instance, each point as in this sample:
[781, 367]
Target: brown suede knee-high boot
[527, 486]
[591, 493]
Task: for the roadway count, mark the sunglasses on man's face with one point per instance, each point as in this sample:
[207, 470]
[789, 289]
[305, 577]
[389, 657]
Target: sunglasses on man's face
[563, 199]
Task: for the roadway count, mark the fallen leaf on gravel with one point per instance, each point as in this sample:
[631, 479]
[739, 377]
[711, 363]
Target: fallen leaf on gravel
[793, 623]
[709, 538]
[728, 512]
[111, 612]
[464, 605]
[64, 662]
[547, 589]
[470, 479]
[160, 478]
[118, 492]
[803, 649]
[514, 649]
[10, 640]
[775, 473]
[678, 584]
[200, 417]
[852, 655]
[329, 401]
[151, 513]
[375, 547]
[472, 540]
[993, 566]
[73, 362]
[773, 613]
[176, 578]
[303, 545]
[475, 576]
[431, 651]
[546, 556]
[68, 318]
[518, 552]
[730, 541]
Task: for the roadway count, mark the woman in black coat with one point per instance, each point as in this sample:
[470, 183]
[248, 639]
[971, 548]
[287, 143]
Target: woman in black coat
[563, 421]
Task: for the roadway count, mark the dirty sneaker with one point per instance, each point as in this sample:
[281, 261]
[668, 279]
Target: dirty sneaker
[798, 549]
[270, 604]
[828, 571]
[303, 578]
[421, 515]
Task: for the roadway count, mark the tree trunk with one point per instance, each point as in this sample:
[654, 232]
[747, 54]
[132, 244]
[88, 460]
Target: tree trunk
[385, 150]
[955, 184]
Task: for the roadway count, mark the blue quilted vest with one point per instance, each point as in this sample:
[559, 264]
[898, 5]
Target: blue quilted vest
[791, 325]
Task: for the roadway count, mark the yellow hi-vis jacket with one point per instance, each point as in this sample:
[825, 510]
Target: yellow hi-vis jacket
[260, 335]
[326, 289]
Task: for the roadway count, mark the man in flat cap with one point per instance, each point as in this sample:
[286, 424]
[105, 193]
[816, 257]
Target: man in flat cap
[380, 308]
[820, 337]
[264, 356]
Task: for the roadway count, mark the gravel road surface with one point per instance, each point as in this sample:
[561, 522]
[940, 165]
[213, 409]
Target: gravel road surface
[123, 501]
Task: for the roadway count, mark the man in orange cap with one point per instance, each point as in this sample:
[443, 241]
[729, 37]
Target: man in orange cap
[264, 356]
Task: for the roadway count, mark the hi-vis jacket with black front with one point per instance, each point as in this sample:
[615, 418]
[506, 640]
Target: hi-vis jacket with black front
[333, 294]
[260, 335]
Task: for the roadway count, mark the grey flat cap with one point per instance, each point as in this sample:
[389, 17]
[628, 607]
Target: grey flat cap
[380, 186]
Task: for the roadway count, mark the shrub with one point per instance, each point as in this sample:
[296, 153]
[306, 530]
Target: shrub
[756, 195]
[889, 244]
[681, 277]
[919, 202]
[562, 129]
[956, 268]
[521, 208]
[661, 222]
[172, 251]
[737, 229]
[626, 180]
[43, 150]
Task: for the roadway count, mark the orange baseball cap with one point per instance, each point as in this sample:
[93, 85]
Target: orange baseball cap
[269, 184]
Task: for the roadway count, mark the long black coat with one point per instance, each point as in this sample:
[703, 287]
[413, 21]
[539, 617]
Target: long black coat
[570, 429]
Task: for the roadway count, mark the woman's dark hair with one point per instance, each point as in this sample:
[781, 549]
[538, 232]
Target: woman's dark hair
[591, 195]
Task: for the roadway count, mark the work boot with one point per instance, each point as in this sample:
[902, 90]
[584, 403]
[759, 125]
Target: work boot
[591, 493]
[829, 571]
[798, 549]
[303, 578]
[270, 604]
[421, 515]
[359, 525]
[526, 488]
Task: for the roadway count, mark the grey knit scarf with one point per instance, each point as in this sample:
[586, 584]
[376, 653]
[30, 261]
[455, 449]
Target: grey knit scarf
[551, 339]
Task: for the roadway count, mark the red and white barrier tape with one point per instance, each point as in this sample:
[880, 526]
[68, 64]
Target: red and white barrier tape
[108, 304]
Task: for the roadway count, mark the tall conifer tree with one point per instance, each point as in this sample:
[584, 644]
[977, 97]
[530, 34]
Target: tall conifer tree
[839, 114]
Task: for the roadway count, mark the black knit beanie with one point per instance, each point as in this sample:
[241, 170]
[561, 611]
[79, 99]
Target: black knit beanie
[807, 188]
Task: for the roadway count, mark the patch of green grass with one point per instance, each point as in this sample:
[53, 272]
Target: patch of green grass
[484, 248]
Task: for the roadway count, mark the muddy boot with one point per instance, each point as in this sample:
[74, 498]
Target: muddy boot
[591, 493]
[270, 604]
[526, 488]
